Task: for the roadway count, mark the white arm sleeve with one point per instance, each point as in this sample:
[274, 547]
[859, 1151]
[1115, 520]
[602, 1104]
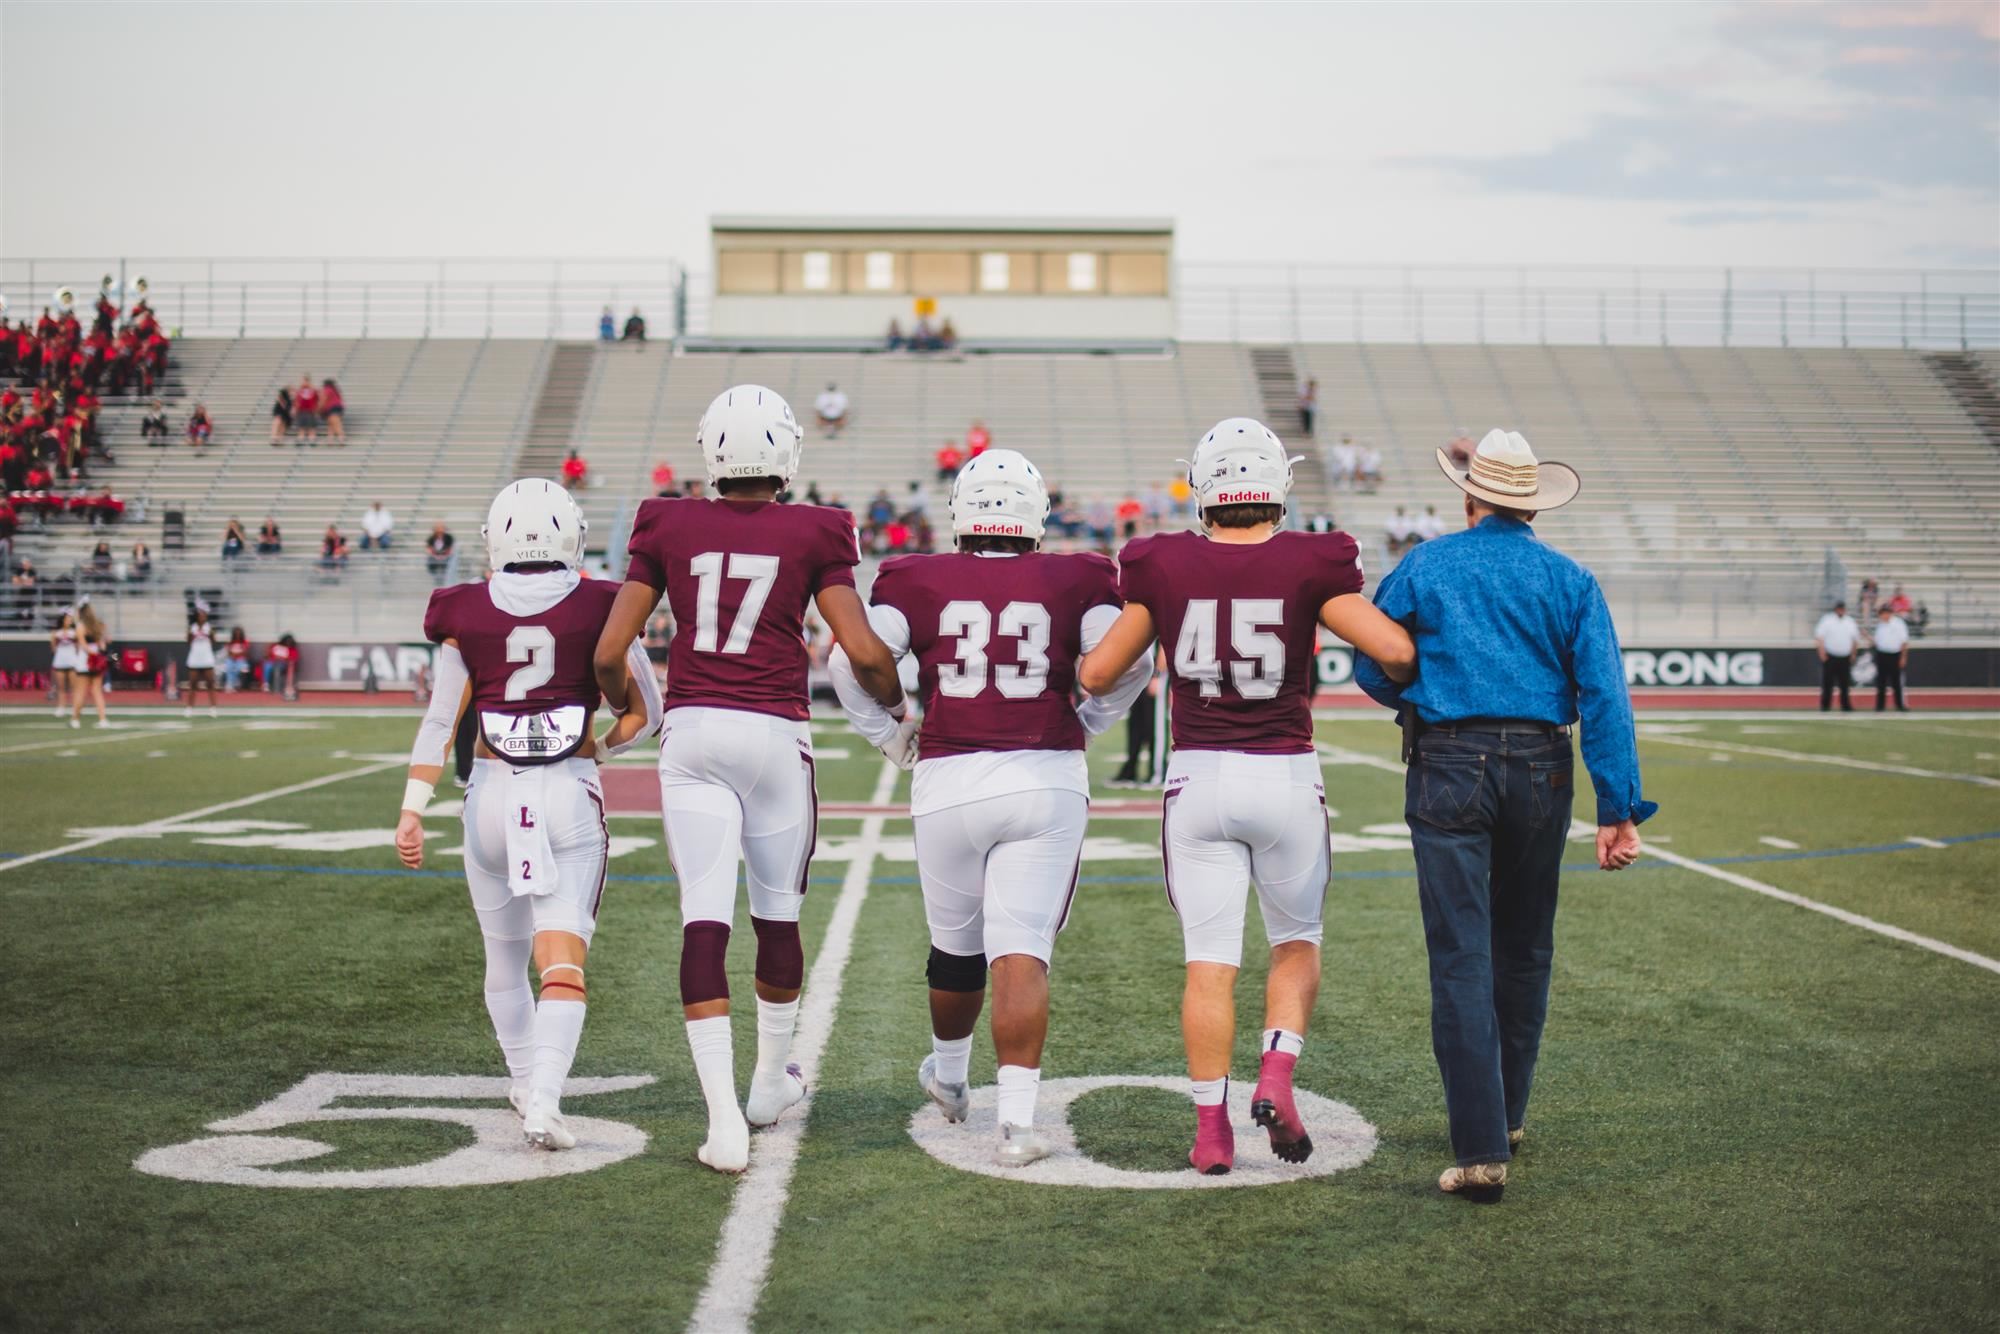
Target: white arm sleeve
[1100, 711]
[441, 718]
[863, 710]
[641, 668]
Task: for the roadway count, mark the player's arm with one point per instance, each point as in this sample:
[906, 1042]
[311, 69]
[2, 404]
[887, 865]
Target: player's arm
[874, 666]
[1358, 621]
[627, 622]
[891, 731]
[1129, 639]
[643, 706]
[449, 697]
[1099, 712]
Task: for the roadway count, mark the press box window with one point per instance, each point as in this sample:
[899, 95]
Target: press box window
[878, 271]
[817, 273]
[993, 275]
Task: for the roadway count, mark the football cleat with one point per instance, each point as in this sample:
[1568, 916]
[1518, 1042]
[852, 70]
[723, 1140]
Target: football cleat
[954, 1100]
[727, 1148]
[1019, 1146]
[517, 1098]
[543, 1127]
[1271, 1107]
[1481, 1183]
[1214, 1151]
[769, 1097]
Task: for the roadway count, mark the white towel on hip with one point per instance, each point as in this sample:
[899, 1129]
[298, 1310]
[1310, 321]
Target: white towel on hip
[531, 858]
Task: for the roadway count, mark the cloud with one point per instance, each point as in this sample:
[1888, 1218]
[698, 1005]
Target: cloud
[1729, 217]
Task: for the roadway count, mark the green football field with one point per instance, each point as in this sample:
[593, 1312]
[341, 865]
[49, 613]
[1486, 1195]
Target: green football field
[249, 1083]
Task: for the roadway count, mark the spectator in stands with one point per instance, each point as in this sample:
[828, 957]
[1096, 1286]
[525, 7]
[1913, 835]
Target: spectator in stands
[881, 509]
[1892, 655]
[1368, 474]
[896, 341]
[234, 540]
[140, 567]
[917, 505]
[377, 526]
[24, 575]
[947, 337]
[831, 408]
[199, 428]
[1871, 598]
[1156, 506]
[270, 540]
[1308, 404]
[153, 426]
[1399, 532]
[812, 494]
[437, 549]
[659, 634]
[281, 414]
[1101, 518]
[573, 471]
[1130, 511]
[607, 327]
[1835, 637]
[101, 561]
[1460, 449]
[237, 664]
[1899, 602]
[1346, 461]
[698, 489]
[305, 411]
[663, 479]
[1180, 497]
[897, 536]
[949, 461]
[978, 440]
[333, 549]
[1428, 525]
[10, 523]
[635, 327]
[281, 665]
[333, 408]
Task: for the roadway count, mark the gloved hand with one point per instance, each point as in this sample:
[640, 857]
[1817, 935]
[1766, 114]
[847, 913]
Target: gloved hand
[900, 747]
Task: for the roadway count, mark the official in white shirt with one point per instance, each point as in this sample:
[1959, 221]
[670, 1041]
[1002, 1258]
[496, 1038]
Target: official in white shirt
[1892, 655]
[1837, 636]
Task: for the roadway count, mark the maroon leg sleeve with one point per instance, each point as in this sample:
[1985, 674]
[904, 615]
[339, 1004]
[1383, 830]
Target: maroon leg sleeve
[781, 960]
[704, 945]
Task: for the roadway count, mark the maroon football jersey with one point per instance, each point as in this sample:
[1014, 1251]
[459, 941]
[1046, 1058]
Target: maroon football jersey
[1239, 624]
[524, 664]
[738, 575]
[996, 640]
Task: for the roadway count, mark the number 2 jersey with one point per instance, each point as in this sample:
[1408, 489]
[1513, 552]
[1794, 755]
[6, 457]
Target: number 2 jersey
[996, 639]
[522, 664]
[738, 575]
[1240, 623]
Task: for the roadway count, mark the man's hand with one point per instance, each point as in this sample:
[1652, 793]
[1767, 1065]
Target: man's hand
[901, 747]
[410, 840]
[1617, 845]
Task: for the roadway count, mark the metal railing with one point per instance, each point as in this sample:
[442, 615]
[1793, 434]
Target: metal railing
[1214, 302]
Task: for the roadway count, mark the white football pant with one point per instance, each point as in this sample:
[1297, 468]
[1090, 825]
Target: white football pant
[572, 814]
[1232, 818]
[999, 874]
[732, 782]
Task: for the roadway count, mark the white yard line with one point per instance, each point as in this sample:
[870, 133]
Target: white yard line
[749, 1234]
[1729, 877]
[68, 742]
[1925, 842]
[167, 821]
[1842, 761]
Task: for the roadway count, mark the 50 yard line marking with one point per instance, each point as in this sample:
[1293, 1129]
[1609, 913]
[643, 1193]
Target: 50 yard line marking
[750, 1232]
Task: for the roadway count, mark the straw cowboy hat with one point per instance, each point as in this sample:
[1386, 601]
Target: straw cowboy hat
[1504, 473]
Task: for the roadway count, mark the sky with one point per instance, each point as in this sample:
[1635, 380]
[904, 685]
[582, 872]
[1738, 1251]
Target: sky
[1766, 134]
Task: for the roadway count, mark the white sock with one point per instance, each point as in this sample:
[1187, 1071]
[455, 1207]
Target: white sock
[1210, 1092]
[558, 1026]
[775, 1022]
[1284, 1040]
[513, 1015]
[954, 1058]
[1016, 1102]
[715, 1063]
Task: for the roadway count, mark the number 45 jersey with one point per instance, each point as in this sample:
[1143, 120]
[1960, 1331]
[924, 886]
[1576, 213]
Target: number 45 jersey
[1239, 623]
[738, 575]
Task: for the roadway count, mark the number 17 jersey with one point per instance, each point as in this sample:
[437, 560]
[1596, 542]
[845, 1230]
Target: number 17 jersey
[738, 575]
[1239, 623]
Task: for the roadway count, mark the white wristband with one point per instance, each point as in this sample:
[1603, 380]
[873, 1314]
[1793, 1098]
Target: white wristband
[417, 795]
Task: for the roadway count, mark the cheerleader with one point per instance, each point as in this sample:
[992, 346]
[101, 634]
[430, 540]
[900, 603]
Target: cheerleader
[63, 640]
[201, 659]
[93, 656]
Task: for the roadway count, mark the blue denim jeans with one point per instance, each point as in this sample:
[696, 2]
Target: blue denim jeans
[1489, 811]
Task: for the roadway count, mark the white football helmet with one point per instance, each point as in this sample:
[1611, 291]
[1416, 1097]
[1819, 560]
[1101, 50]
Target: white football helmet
[999, 494]
[749, 431]
[534, 520]
[1240, 461]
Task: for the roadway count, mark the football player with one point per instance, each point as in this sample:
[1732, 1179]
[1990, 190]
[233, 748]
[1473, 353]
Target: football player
[1000, 796]
[1237, 608]
[736, 761]
[517, 652]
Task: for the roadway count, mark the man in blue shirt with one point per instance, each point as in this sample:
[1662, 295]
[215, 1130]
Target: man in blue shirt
[1514, 643]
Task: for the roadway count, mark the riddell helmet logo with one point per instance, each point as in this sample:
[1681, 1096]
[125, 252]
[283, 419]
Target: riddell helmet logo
[1242, 497]
[990, 529]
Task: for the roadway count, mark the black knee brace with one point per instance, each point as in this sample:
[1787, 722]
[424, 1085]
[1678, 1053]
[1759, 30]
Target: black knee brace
[781, 959]
[956, 972]
[703, 946]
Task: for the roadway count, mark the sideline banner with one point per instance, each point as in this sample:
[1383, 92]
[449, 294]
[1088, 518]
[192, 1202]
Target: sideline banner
[1739, 668]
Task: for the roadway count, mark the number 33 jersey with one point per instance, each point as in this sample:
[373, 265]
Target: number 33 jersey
[996, 640]
[524, 664]
[738, 575]
[1239, 623]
